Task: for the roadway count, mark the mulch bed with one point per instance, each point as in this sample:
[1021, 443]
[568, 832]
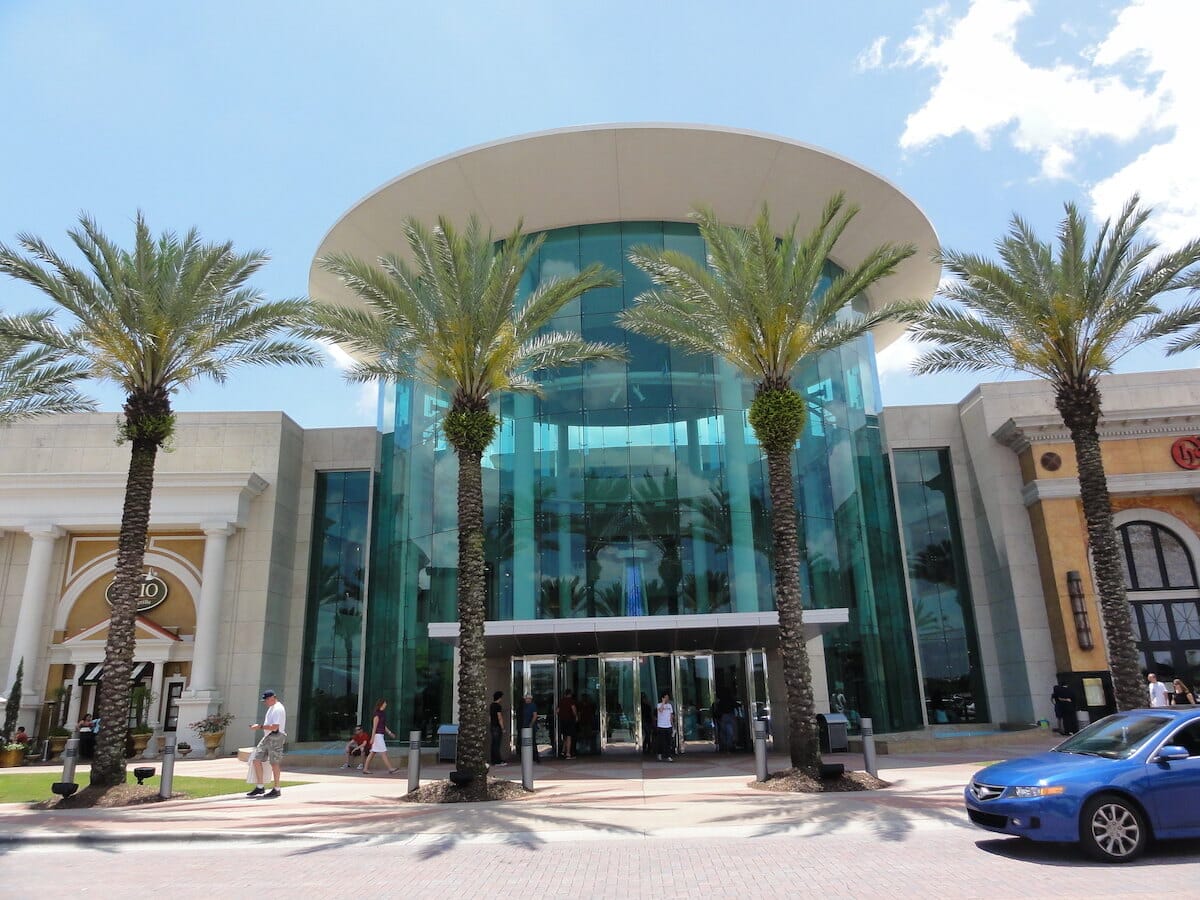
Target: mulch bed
[478, 791]
[794, 781]
[90, 797]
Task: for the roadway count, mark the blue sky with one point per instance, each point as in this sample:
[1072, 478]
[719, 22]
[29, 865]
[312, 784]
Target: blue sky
[263, 122]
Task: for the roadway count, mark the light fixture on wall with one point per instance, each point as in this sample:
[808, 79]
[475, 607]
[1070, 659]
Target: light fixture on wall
[1083, 626]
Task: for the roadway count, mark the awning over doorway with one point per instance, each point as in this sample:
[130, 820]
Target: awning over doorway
[640, 634]
[93, 673]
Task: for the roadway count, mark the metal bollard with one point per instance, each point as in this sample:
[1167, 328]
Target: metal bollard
[414, 760]
[168, 768]
[868, 739]
[527, 758]
[69, 757]
[760, 750]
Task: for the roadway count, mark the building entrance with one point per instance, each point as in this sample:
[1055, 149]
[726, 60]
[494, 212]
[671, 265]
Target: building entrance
[716, 698]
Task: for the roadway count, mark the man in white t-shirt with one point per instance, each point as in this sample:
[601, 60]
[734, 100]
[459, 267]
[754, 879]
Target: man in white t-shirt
[1158, 690]
[666, 727]
[270, 748]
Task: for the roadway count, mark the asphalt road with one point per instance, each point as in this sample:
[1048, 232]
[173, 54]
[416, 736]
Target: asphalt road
[942, 861]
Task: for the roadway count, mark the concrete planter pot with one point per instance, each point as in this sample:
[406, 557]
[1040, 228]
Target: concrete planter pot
[212, 743]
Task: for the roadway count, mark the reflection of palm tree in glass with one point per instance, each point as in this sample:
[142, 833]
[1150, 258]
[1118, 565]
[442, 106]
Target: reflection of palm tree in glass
[551, 593]
[935, 563]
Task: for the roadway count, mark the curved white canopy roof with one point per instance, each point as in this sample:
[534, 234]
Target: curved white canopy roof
[610, 173]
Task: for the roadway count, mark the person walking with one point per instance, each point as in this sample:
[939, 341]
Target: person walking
[1181, 696]
[1158, 691]
[379, 731]
[666, 727]
[529, 717]
[270, 748]
[496, 720]
[568, 724]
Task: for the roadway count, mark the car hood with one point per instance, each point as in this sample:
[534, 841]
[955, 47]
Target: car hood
[1043, 767]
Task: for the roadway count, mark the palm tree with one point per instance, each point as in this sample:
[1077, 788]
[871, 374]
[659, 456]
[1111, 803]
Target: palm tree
[761, 303]
[152, 320]
[1067, 314]
[35, 380]
[451, 319]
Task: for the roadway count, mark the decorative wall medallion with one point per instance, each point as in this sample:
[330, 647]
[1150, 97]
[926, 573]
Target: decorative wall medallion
[1186, 452]
[1051, 462]
[152, 593]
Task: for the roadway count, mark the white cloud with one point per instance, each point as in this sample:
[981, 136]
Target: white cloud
[1142, 81]
[1160, 36]
[897, 357]
[340, 357]
[872, 56]
[984, 87]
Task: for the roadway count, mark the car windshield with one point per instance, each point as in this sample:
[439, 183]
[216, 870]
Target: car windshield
[1116, 737]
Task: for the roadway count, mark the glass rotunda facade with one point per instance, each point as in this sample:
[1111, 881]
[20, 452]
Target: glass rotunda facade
[631, 491]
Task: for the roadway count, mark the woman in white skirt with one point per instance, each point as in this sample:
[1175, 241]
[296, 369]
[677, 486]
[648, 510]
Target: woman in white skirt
[378, 743]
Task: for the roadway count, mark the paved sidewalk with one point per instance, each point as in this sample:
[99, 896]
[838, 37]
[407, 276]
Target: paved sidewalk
[699, 795]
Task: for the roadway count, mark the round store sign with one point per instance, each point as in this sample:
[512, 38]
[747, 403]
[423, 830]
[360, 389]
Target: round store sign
[152, 591]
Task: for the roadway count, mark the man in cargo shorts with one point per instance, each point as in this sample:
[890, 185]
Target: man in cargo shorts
[270, 748]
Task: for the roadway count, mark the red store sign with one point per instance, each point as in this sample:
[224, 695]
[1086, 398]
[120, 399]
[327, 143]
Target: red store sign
[1186, 452]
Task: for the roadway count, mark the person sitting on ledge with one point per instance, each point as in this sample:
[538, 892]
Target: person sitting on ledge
[356, 747]
[21, 736]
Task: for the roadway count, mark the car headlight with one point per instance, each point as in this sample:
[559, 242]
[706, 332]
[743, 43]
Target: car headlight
[1025, 793]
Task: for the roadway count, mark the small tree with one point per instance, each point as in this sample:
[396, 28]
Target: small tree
[13, 707]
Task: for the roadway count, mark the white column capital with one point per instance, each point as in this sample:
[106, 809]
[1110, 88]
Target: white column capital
[44, 532]
[218, 529]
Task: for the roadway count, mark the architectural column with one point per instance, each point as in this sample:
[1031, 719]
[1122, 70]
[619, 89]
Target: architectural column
[27, 642]
[208, 607]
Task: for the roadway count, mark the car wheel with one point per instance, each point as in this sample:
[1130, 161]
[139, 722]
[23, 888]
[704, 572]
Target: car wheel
[1112, 829]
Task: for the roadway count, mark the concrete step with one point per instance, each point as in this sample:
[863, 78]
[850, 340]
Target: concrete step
[953, 738]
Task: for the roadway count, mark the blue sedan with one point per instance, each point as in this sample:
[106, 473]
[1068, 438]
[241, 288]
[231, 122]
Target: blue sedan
[1119, 782]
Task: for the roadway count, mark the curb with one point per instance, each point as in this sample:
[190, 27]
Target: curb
[103, 838]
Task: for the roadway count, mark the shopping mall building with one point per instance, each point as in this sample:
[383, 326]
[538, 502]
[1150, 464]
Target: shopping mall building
[945, 571]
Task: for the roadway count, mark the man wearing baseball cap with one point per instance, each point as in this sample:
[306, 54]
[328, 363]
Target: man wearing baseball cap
[270, 748]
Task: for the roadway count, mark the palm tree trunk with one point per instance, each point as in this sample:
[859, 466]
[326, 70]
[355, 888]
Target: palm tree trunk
[472, 700]
[108, 764]
[1079, 406]
[797, 675]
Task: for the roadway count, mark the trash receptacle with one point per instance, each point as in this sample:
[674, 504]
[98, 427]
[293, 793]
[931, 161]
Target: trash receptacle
[834, 731]
[447, 743]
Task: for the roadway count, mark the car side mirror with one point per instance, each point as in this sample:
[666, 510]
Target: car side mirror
[1171, 752]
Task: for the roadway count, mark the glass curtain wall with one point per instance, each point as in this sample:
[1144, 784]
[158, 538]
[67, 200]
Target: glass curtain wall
[334, 612]
[941, 597]
[638, 489]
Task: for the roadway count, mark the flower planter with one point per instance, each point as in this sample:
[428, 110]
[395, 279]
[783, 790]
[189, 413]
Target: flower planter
[182, 751]
[212, 743]
[10, 758]
[57, 745]
[141, 740]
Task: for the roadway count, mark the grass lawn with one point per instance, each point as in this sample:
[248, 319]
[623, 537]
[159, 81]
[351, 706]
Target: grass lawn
[36, 786]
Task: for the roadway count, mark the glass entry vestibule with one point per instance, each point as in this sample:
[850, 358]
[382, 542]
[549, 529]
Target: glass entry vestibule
[716, 697]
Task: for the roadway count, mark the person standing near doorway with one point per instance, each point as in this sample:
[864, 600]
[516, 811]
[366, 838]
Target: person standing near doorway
[496, 720]
[87, 737]
[666, 727]
[1158, 690]
[568, 724]
[379, 731]
[1064, 709]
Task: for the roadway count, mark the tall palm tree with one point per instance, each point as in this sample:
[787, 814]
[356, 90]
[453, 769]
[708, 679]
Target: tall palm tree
[1067, 313]
[452, 319]
[35, 380]
[152, 319]
[759, 303]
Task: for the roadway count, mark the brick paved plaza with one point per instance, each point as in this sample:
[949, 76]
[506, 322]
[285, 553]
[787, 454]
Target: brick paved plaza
[611, 830]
